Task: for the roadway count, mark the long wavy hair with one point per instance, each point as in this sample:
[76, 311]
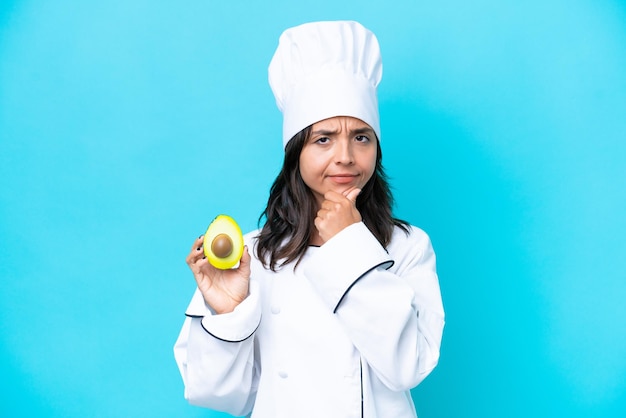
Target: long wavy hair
[291, 209]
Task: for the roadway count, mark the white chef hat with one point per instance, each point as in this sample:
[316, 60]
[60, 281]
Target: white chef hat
[326, 69]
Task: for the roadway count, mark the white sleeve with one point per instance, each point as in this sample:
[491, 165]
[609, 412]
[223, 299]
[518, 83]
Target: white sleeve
[215, 355]
[394, 317]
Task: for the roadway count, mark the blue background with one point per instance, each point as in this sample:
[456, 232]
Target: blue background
[126, 126]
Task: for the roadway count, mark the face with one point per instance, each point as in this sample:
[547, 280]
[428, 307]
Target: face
[339, 155]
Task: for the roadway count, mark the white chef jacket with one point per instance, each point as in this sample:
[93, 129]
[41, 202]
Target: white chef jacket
[347, 333]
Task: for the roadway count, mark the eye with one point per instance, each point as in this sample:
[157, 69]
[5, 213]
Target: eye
[322, 140]
[362, 138]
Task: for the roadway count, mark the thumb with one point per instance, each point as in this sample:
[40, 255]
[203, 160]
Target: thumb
[244, 263]
[353, 194]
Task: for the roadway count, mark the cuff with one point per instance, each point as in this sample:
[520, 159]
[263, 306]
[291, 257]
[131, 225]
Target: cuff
[234, 326]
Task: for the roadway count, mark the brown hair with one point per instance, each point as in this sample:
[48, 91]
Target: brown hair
[291, 209]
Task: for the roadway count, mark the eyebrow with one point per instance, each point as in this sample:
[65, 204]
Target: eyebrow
[363, 130]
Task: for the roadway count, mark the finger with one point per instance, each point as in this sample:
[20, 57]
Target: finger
[322, 213]
[326, 204]
[203, 262]
[353, 194]
[333, 196]
[198, 242]
[192, 257]
[196, 248]
[318, 223]
[195, 253]
[196, 261]
[244, 263]
[199, 266]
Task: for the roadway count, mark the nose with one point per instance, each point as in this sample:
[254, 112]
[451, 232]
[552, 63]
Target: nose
[344, 154]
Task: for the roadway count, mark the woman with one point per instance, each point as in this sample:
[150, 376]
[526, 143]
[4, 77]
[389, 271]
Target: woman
[338, 312]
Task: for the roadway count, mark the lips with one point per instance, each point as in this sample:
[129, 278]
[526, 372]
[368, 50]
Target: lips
[343, 178]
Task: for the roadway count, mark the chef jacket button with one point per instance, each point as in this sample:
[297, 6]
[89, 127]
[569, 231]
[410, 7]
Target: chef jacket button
[283, 374]
[275, 309]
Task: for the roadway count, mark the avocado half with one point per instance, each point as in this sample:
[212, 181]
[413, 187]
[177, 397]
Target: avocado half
[223, 242]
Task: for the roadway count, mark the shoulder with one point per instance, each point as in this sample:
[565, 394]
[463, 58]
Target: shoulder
[412, 236]
[412, 247]
[251, 236]
[251, 239]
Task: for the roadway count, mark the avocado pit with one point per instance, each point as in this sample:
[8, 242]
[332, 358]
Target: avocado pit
[222, 246]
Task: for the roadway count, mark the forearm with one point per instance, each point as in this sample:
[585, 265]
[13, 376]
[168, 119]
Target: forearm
[398, 338]
[393, 317]
[215, 355]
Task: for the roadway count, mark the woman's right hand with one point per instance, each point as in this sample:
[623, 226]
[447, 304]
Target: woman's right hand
[222, 290]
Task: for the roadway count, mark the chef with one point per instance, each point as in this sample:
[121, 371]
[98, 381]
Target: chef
[334, 309]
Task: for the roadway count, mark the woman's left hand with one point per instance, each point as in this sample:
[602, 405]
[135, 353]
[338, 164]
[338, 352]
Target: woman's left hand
[337, 212]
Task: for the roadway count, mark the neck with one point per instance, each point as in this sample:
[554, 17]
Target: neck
[315, 238]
